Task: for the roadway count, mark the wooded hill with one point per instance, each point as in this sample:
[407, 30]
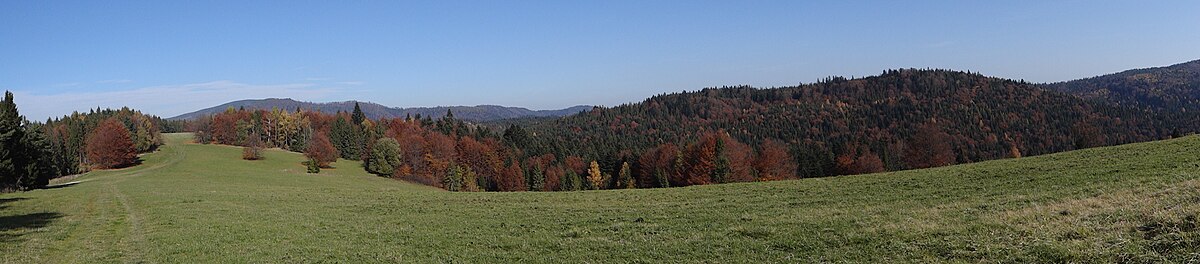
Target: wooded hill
[898, 120]
[1170, 88]
[901, 119]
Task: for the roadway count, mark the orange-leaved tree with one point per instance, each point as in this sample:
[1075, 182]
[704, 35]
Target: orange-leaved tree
[774, 162]
[321, 150]
[110, 146]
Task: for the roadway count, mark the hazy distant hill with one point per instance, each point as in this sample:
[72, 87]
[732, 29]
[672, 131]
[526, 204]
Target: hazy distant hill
[1173, 88]
[373, 110]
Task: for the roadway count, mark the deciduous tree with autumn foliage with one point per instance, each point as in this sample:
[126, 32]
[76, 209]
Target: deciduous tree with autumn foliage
[774, 162]
[321, 150]
[109, 146]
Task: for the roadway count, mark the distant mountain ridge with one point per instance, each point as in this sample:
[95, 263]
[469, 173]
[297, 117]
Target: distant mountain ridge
[477, 113]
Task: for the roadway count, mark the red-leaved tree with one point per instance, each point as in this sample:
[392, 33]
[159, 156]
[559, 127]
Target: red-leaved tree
[774, 162]
[930, 147]
[321, 150]
[109, 146]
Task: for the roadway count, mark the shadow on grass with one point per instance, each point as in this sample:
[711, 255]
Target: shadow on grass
[27, 221]
[4, 201]
[13, 227]
[9, 200]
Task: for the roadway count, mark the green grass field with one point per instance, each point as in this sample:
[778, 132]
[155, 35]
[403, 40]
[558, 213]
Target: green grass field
[202, 203]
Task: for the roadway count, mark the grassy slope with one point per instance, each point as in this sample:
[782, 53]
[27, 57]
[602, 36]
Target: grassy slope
[199, 203]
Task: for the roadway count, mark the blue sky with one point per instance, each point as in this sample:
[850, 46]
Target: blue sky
[172, 57]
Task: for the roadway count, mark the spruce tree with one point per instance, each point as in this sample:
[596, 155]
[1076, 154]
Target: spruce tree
[721, 173]
[570, 181]
[453, 181]
[358, 116]
[535, 179]
[313, 165]
[39, 167]
[11, 135]
[345, 137]
[625, 177]
[25, 156]
[661, 178]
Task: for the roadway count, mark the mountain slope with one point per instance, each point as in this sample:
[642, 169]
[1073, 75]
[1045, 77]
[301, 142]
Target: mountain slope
[1171, 88]
[376, 111]
[902, 118]
[1134, 203]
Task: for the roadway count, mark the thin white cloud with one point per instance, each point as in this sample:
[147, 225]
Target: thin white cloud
[164, 101]
[317, 79]
[352, 83]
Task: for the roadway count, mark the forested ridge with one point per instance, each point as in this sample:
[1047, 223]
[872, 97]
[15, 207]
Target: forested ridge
[1174, 88]
[901, 119]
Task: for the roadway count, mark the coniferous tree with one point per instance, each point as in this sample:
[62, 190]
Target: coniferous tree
[11, 145]
[25, 155]
[313, 166]
[625, 177]
[571, 181]
[661, 179]
[515, 135]
[358, 116]
[453, 181]
[39, 165]
[345, 138]
[535, 179]
[722, 170]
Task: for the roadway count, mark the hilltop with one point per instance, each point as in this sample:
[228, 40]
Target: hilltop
[376, 111]
[1170, 88]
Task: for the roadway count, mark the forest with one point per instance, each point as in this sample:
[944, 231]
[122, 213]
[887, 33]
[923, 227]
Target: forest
[901, 119]
[1169, 89]
[459, 156]
[31, 153]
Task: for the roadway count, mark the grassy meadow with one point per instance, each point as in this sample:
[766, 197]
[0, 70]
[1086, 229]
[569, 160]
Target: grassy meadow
[202, 203]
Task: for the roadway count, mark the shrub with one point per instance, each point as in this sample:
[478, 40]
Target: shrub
[320, 151]
[313, 167]
[252, 153]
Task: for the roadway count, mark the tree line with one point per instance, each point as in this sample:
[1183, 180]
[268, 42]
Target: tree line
[31, 153]
[459, 156]
[901, 119]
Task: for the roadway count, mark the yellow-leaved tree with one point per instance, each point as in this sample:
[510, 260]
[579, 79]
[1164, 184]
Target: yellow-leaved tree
[594, 177]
